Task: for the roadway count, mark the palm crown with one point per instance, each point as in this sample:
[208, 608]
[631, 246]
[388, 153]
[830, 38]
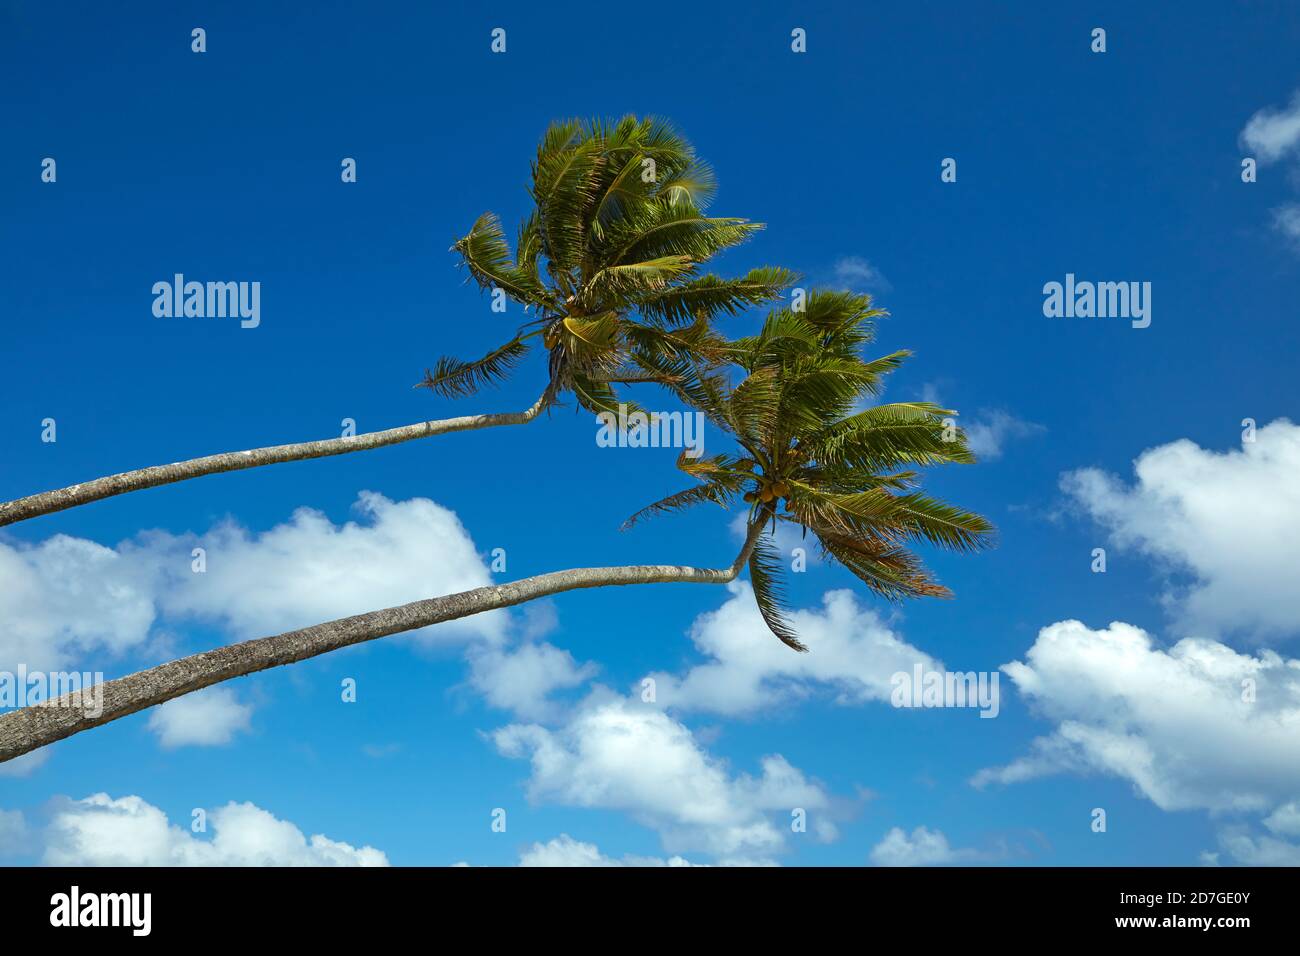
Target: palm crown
[847, 476]
[609, 262]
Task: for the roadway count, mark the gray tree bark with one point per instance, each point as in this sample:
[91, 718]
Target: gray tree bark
[31, 728]
[48, 502]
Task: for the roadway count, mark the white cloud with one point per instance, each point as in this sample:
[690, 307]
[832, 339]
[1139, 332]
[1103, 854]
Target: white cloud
[1285, 820]
[102, 831]
[564, 850]
[1249, 849]
[1231, 519]
[988, 430]
[852, 656]
[859, 274]
[66, 598]
[923, 847]
[988, 433]
[1273, 133]
[617, 755]
[71, 601]
[522, 679]
[208, 718]
[1196, 726]
[68, 601]
[309, 570]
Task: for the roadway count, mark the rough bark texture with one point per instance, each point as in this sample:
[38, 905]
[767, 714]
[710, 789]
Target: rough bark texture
[22, 731]
[49, 502]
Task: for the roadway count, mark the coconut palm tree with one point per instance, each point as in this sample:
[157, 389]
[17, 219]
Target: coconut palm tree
[848, 476]
[617, 231]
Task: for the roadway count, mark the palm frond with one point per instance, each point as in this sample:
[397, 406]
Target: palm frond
[486, 254]
[699, 494]
[711, 296]
[765, 572]
[453, 378]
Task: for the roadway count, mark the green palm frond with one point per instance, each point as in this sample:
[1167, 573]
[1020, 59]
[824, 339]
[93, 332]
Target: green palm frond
[486, 254]
[765, 572]
[940, 523]
[700, 494]
[892, 572]
[617, 230]
[711, 296]
[632, 278]
[598, 396]
[453, 378]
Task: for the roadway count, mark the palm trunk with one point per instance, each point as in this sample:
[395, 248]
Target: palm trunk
[49, 502]
[31, 728]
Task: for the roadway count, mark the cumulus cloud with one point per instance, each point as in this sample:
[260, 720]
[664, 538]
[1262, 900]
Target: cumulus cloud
[618, 755]
[309, 570]
[523, 678]
[1229, 519]
[102, 831]
[69, 600]
[564, 850]
[66, 598]
[853, 655]
[1197, 725]
[923, 847]
[207, 718]
[1273, 133]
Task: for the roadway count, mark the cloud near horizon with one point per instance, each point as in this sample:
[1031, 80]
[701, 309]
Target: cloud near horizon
[129, 831]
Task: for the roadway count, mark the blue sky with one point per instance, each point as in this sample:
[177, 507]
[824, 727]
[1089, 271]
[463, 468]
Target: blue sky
[1115, 166]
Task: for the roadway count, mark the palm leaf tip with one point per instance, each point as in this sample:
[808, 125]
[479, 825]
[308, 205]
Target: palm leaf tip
[769, 593]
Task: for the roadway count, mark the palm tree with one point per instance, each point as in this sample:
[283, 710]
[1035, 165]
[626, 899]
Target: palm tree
[617, 231]
[847, 476]
[837, 471]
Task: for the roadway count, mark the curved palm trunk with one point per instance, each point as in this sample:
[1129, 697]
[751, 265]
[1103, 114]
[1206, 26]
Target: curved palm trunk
[31, 728]
[59, 499]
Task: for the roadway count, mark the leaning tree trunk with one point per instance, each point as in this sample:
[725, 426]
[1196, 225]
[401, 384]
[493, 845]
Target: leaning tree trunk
[31, 728]
[49, 502]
